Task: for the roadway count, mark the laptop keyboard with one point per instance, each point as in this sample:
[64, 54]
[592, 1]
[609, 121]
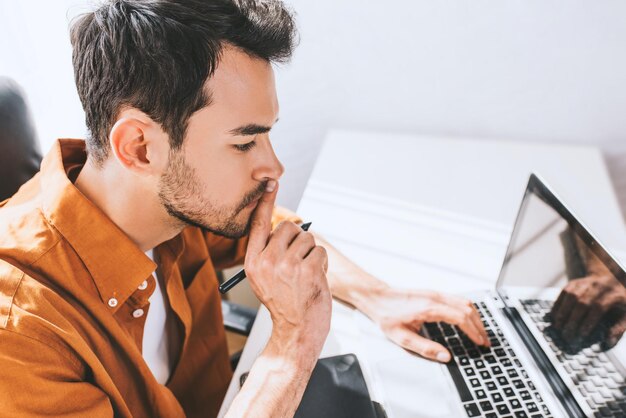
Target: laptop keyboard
[491, 381]
[597, 379]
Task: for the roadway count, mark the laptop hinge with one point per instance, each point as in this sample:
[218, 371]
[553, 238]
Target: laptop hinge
[561, 390]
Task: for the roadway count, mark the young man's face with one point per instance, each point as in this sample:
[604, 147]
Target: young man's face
[217, 177]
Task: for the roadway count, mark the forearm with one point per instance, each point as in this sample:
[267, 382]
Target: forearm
[347, 281]
[276, 382]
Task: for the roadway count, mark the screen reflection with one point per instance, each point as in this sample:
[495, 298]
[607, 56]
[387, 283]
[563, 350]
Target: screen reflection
[567, 283]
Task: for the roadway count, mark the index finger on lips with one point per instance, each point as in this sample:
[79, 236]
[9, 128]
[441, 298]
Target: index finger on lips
[261, 225]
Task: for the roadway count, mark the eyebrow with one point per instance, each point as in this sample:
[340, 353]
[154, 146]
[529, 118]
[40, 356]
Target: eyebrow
[250, 129]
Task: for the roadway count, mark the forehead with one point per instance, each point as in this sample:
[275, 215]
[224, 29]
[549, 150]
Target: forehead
[244, 85]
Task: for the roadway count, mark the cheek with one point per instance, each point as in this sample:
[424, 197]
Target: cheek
[225, 180]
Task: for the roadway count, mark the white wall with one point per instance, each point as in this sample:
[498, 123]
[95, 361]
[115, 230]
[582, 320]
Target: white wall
[532, 70]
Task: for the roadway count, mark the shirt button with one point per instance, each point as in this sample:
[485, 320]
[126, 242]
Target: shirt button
[143, 285]
[112, 302]
[138, 313]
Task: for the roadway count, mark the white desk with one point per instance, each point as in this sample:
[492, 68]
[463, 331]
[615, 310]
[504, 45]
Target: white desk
[433, 213]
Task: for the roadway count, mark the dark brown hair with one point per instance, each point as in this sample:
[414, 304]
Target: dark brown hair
[156, 55]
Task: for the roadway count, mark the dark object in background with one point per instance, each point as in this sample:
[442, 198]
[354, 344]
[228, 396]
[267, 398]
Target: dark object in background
[19, 149]
[336, 390]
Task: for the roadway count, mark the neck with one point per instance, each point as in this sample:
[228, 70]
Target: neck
[131, 205]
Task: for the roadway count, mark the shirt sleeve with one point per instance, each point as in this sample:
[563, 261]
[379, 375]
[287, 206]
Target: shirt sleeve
[38, 380]
[226, 252]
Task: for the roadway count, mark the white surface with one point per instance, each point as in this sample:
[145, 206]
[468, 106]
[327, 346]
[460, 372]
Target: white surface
[436, 215]
[543, 71]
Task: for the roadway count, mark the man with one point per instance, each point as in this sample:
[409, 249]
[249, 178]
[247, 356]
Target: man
[178, 176]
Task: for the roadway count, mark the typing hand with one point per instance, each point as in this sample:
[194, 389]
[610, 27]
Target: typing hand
[401, 314]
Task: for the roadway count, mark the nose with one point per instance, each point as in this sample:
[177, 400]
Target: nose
[268, 166]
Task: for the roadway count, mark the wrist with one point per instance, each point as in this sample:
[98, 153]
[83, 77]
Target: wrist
[294, 350]
[367, 295]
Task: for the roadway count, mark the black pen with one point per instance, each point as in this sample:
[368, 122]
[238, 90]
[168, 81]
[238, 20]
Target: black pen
[232, 282]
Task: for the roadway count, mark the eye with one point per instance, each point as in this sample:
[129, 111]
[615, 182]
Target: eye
[245, 147]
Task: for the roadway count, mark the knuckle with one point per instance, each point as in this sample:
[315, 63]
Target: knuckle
[405, 341]
[308, 270]
[264, 265]
[258, 223]
[290, 227]
[287, 267]
[307, 238]
[281, 225]
[429, 351]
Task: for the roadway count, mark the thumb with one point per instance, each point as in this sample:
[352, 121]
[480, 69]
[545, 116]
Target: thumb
[410, 340]
[261, 225]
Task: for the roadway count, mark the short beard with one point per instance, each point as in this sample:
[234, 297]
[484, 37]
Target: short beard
[180, 191]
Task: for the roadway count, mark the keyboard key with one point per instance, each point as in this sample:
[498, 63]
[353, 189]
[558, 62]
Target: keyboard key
[515, 404]
[464, 361]
[490, 359]
[491, 415]
[486, 406]
[458, 351]
[475, 383]
[496, 370]
[518, 384]
[454, 341]
[484, 350]
[503, 381]
[484, 374]
[431, 327]
[509, 392]
[472, 410]
[496, 397]
[490, 385]
[521, 414]
[525, 395]
[469, 371]
[512, 373]
[532, 407]
[502, 409]
[473, 353]
[480, 394]
[479, 364]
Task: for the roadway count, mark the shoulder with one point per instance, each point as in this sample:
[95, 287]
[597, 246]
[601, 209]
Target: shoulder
[32, 315]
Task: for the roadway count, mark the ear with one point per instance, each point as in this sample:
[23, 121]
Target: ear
[138, 143]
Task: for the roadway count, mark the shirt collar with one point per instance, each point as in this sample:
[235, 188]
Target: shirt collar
[115, 263]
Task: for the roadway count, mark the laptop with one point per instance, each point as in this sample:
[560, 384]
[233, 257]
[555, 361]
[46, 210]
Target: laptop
[555, 321]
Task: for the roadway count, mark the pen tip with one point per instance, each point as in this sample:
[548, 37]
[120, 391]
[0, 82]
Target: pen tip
[305, 227]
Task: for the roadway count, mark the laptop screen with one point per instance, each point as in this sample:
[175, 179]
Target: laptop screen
[554, 268]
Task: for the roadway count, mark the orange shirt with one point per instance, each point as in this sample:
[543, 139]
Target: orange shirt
[70, 281]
